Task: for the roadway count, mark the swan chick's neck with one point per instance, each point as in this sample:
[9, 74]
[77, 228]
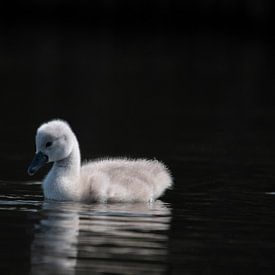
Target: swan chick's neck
[62, 181]
[71, 164]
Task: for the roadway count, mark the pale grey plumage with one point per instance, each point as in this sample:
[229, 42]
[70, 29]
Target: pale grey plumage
[116, 180]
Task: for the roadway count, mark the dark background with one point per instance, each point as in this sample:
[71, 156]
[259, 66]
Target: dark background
[175, 80]
[188, 82]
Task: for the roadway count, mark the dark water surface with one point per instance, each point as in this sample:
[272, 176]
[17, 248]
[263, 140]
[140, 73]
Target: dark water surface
[202, 101]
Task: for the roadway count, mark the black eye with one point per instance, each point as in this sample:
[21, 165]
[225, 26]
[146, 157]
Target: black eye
[48, 144]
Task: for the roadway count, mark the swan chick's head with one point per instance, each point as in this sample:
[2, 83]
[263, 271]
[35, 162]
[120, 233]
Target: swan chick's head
[54, 142]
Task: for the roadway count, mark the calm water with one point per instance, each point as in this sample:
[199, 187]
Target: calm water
[209, 225]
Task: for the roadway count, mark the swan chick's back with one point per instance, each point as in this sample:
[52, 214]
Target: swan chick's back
[126, 179]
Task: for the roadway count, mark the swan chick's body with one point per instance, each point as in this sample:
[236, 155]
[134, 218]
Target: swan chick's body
[106, 180]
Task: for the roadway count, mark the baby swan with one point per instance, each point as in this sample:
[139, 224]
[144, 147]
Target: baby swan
[109, 180]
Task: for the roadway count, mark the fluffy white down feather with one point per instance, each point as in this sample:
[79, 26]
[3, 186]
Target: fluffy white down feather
[105, 180]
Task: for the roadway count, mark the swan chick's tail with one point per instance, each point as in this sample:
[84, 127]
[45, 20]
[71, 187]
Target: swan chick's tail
[163, 180]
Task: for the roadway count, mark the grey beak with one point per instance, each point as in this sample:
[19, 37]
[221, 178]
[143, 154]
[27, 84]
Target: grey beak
[38, 161]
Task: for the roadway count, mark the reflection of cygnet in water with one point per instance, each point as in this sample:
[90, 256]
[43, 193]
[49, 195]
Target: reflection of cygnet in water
[131, 220]
[101, 238]
[111, 180]
[53, 250]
